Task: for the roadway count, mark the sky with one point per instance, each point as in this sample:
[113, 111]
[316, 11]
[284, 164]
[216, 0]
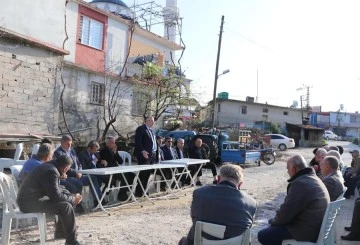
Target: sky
[290, 44]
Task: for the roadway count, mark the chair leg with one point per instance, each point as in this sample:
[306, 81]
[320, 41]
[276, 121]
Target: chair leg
[6, 229]
[42, 228]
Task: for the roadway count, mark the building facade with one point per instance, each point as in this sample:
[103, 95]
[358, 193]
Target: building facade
[75, 66]
[344, 124]
[245, 114]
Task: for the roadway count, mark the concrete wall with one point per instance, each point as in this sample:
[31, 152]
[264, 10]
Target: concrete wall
[230, 113]
[82, 116]
[40, 19]
[72, 17]
[28, 89]
[117, 44]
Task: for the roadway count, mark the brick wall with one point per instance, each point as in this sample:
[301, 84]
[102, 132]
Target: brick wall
[29, 79]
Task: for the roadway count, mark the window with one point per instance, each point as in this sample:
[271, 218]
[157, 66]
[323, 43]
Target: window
[352, 119]
[91, 32]
[266, 110]
[139, 103]
[264, 117]
[243, 110]
[97, 93]
[286, 113]
[219, 107]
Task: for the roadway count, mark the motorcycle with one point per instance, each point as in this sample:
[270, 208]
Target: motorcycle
[268, 156]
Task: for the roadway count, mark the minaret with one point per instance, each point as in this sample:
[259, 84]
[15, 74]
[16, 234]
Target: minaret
[171, 16]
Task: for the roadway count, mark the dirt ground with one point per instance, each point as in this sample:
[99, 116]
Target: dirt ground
[166, 221]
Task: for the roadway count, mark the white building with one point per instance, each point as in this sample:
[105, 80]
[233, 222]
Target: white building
[88, 51]
[244, 114]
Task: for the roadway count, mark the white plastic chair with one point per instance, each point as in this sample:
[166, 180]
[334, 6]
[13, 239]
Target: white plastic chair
[325, 235]
[18, 151]
[218, 232]
[15, 171]
[8, 162]
[126, 157]
[35, 149]
[11, 210]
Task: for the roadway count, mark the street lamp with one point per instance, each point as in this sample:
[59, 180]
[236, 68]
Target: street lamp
[214, 98]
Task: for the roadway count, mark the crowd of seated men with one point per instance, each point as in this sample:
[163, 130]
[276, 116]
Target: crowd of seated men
[313, 185]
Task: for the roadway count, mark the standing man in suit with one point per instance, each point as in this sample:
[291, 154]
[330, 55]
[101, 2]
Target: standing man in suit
[229, 205]
[42, 182]
[145, 150]
[331, 177]
[71, 180]
[88, 160]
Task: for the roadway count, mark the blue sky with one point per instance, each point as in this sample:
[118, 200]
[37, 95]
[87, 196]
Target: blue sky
[292, 44]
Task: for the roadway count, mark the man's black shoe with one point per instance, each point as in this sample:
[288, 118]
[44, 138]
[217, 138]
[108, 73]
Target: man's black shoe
[59, 234]
[347, 228]
[73, 243]
[122, 196]
[351, 237]
[162, 188]
[198, 183]
[347, 196]
[79, 209]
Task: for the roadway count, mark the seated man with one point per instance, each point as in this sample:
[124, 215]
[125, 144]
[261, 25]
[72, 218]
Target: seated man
[71, 180]
[223, 204]
[315, 162]
[331, 177]
[109, 157]
[88, 160]
[352, 176]
[43, 182]
[199, 152]
[168, 153]
[301, 214]
[44, 154]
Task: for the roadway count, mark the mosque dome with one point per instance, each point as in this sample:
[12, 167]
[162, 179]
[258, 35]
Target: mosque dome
[114, 6]
[118, 2]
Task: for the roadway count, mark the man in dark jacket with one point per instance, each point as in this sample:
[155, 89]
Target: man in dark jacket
[88, 160]
[331, 177]
[72, 181]
[198, 152]
[301, 214]
[223, 204]
[109, 157]
[41, 193]
[145, 151]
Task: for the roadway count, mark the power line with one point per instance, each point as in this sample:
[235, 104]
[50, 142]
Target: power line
[255, 43]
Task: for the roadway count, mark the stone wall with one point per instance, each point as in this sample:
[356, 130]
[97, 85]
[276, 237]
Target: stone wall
[29, 88]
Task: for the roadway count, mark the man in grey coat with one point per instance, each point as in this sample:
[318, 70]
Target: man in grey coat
[301, 214]
[331, 177]
[223, 204]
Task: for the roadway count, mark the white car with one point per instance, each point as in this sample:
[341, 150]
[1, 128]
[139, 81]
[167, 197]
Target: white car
[281, 141]
[328, 135]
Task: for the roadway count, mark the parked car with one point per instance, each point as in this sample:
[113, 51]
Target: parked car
[281, 141]
[329, 135]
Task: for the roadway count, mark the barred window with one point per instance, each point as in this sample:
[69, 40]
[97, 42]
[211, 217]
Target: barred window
[286, 113]
[139, 102]
[97, 93]
[266, 110]
[91, 32]
[244, 110]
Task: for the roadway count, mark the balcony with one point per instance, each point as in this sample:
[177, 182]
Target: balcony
[146, 71]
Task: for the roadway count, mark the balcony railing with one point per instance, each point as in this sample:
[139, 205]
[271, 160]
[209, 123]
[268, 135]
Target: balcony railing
[139, 71]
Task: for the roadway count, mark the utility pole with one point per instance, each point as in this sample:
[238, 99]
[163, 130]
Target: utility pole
[302, 113]
[216, 73]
